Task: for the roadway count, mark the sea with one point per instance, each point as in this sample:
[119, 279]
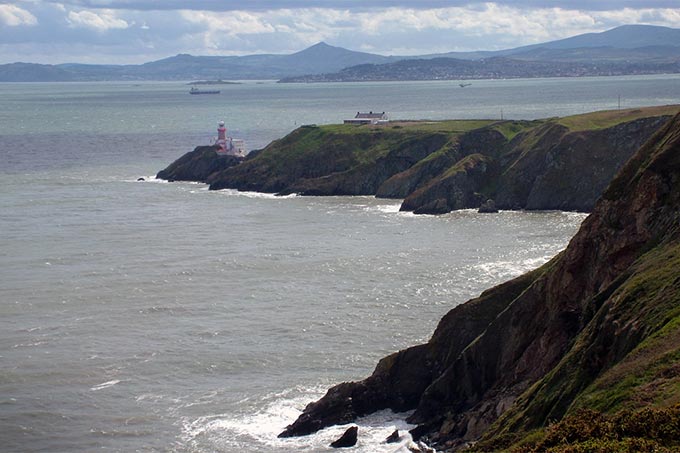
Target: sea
[151, 316]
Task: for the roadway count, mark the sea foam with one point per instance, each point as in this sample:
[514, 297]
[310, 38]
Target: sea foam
[258, 431]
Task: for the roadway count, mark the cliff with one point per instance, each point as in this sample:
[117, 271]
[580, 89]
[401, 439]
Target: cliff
[437, 167]
[597, 328]
[198, 165]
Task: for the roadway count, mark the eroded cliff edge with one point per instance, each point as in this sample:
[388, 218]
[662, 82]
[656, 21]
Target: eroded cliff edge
[597, 327]
[440, 166]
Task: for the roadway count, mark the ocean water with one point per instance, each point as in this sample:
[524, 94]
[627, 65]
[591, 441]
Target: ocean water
[147, 316]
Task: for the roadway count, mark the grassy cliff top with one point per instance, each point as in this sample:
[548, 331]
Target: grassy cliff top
[608, 118]
[509, 128]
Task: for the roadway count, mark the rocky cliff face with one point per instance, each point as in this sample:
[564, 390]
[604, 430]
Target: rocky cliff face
[598, 326]
[565, 169]
[198, 165]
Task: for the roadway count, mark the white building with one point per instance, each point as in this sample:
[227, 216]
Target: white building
[368, 118]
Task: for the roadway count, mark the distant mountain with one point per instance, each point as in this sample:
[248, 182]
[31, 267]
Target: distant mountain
[319, 58]
[623, 37]
[623, 40]
[633, 48]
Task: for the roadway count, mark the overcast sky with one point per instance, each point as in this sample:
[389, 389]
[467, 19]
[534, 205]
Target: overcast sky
[137, 31]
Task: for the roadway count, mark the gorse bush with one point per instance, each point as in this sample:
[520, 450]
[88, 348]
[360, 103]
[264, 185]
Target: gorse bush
[589, 431]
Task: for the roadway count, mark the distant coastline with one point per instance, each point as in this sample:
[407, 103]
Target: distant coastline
[214, 82]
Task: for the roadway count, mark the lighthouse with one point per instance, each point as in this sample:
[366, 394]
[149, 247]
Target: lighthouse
[222, 137]
[228, 146]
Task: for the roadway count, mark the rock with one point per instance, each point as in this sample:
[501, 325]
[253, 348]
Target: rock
[489, 206]
[140, 179]
[198, 165]
[348, 439]
[393, 438]
[438, 206]
[419, 447]
[457, 189]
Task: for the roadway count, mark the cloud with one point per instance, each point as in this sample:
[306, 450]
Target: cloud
[135, 31]
[270, 5]
[102, 21]
[13, 16]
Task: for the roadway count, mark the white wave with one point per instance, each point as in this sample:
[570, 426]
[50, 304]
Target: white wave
[104, 385]
[506, 269]
[258, 431]
[150, 178]
[386, 208]
[269, 196]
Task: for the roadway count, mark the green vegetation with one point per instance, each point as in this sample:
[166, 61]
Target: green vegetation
[650, 373]
[588, 431]
[510, 129]
[609, 118]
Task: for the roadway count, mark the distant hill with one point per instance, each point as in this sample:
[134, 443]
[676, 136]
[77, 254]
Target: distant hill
[628, 49]
[319, 58]
[626, 39]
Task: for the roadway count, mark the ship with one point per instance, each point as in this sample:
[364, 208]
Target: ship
[195, 90]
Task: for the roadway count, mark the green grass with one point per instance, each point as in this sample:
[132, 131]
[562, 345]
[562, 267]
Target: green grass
[650, 373]
[510, 129]
[609, 118]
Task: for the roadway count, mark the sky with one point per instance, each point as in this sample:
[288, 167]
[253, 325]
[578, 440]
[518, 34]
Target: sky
[137, 31]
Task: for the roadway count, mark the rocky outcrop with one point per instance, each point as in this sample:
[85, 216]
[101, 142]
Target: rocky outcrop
[561, 337]
[488, 207]
[348, 438]
[198, 165]
[455, 189]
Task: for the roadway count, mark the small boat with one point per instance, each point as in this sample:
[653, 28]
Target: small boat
[195, 90]
[463, 85]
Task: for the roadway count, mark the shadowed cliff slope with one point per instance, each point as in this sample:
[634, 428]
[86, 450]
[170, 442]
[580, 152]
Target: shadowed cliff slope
[596, 327]
[198, 165]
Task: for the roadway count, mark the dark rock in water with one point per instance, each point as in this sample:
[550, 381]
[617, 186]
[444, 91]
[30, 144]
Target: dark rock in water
[420, 447]
[489, 206]
[141, 179]
[438, 206]
[397, 383]
[348, 439]
[393, 438]
[419, 431]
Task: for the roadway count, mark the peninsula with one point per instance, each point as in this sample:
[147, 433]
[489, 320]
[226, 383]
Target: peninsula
[440, 166]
